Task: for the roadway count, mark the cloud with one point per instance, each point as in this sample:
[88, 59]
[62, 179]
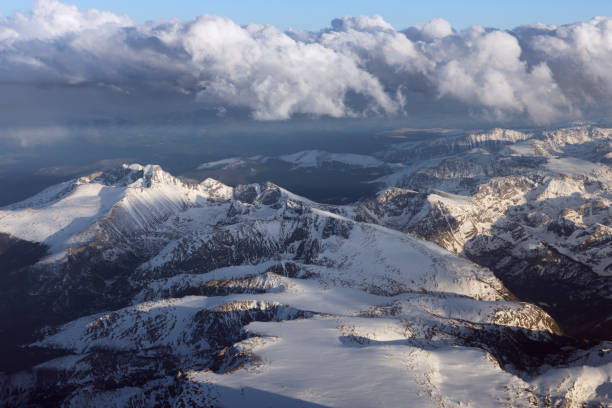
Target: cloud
[579, 56]
[34, 136]
[273, 74]
[359, 66]
[487, 72]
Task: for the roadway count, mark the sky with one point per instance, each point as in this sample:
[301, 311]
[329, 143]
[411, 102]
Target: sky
[314, 14]
[94, 61]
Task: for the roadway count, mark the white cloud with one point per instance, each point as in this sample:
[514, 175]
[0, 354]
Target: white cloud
[51, 18]
[358, 66]
[435, 29]
[276, 76]
[487, 72]
[579, 55]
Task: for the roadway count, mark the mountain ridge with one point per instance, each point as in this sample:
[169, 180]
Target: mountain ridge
[181, 291]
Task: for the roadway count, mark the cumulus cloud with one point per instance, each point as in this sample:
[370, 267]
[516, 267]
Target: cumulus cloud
[487, 72]
[580, 56]
[272, 73]
[357, 66]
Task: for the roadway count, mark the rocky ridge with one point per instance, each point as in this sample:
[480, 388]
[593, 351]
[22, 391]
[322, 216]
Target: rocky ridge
[154, 291]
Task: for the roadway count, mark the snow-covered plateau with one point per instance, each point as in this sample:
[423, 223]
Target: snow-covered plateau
[465, 282]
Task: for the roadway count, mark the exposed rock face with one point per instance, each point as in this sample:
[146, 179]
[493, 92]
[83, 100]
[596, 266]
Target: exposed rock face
[144, 290]
[534, 207]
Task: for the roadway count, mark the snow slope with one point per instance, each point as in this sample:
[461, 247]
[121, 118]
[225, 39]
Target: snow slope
[253, 295]
[232, 161]
[534, 206]
[135, 196]
[57, 223]
[300, 160]
[314, 158]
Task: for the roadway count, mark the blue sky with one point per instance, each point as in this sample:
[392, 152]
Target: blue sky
[315, 14]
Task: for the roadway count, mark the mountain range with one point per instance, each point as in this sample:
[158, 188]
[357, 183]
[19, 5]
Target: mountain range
[476, 270]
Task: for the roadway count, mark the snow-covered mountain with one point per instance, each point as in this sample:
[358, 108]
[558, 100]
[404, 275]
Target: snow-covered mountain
[301, 159]
[132, 287]
[535, 207]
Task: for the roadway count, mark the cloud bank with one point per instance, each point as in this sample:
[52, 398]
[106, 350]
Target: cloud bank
[359, 66]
